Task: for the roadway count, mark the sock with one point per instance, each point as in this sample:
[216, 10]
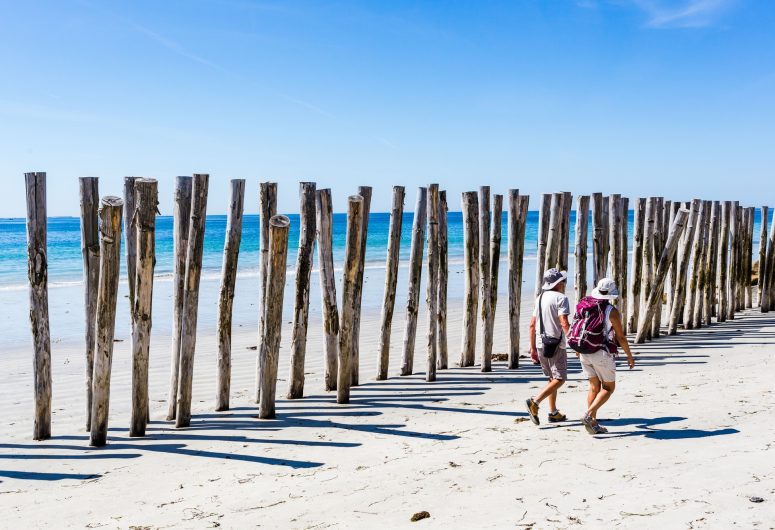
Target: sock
[555, 411]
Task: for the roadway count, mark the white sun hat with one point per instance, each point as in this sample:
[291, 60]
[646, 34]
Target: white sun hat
[605, 290]
[552, 277]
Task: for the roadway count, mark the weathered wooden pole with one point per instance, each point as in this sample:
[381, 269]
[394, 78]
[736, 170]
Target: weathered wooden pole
[732, 275]
[647, 272]
[544, 216]
[269, 349]
[432, 289]
[365, 192]
[515, 270]
[470, 207]
[267, 206]
[672, 274]
[693, 286]
[443, 349]
[567, 205]
[637, 264]
[599, 238]
[90, 251]
[226, 294]
[770, 296]
[582, 233]
[763, 264]
[37, 273]
[723, 260]
[110, 258]
[485, 278]
[391, 277]
[330, 313]
[180, 224]
[655, 298]
[352, 258]
[196, 236]
[495, 258]
[606, 239]
[681, 287]
[554, 240]
[660, 236]
[710, 257]
[699, 306]
[624, 295]
[749, 257]
[130, 239]
[415, 275]
[301, 301]
[144, 224]
[615, 239]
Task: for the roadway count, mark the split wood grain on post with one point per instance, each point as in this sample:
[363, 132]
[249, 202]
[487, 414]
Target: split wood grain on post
[415, 275]
[432, 287]
[470, 206]
[441, 332]
[267, 206]
[391, 279]
[365, 192]
[485, 293]
[330, 313]
[495, 258]
[90, 251]
[582, 234]
[544, 217]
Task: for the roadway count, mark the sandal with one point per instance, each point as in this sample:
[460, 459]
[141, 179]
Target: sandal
[589, 423]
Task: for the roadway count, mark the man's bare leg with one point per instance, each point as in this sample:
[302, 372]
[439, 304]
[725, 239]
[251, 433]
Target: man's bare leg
[550, 391]
[601, 398]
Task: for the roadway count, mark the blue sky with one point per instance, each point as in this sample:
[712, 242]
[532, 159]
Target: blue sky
[640, 97]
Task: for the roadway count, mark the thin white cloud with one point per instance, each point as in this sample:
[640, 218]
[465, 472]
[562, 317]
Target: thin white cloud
[685, 14]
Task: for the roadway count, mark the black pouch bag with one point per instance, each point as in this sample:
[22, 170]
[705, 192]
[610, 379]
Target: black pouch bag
[550, 343]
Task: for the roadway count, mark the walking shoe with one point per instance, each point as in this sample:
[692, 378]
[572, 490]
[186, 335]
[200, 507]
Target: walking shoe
[599, 429]
[589, 423]
[532, 409]
[556, 417]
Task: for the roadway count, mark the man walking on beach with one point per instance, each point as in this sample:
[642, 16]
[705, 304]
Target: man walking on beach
[548, 342]
[596, 311]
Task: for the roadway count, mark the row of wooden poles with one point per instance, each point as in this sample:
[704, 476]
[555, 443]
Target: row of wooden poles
[701, 249]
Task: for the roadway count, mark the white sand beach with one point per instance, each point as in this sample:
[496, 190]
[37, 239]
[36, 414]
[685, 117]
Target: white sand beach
[691, 434]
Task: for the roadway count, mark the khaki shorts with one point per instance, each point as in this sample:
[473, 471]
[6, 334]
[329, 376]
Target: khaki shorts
[600, 364]
[555, 367]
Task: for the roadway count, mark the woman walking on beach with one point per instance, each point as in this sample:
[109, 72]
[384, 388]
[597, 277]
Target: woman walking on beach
[597, 329]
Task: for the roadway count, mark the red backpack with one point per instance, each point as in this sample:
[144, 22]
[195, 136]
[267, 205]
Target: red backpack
[588, 331]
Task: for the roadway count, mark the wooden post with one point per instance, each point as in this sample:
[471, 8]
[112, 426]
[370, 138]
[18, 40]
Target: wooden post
[701, 277]
[734, 238]
[130, 240]
[269, 349]
[432, 290]
[181, 221]
[365, 192]
[599, 237]
[470, 207]
[196, 236]
[582, 233]
[694, 272]
[677, 308]
[637, 264]
[567, 204]
[485, 275]
[673, 273]
[37, 272]
[330, 312]
[515, 272]
[351, 260]
[495, 258]
[624, 295]
[655, 298]
[763, 264]
[543, 236]
[770, 283]
[415, 274]
[267, 206]
[614, 240]
[649, 223]
[710, 257]
[749, 257]
[660, 236]
[226, 294]
[303, 276]
[110, 257]
[144, 224]
[554, 240]
[443, 349]
[606, 239]
[90, 251]
[391, 277]
[723, 260]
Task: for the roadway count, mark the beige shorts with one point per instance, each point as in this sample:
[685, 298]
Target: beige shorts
[600, 364]
[556, 366]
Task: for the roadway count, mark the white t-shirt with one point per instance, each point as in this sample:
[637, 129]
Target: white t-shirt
[553, 304]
